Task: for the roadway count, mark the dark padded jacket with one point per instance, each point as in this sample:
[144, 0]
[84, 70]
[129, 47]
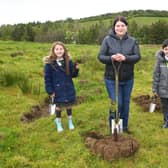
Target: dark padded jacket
[56, 81]
[160, 76]
[127, 46]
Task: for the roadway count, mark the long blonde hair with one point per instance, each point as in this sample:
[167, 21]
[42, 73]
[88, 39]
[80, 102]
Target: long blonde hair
[53, 56]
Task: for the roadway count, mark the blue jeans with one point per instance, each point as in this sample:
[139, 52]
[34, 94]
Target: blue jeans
[125, 89]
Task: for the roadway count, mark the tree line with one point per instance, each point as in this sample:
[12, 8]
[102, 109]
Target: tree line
[87, 31]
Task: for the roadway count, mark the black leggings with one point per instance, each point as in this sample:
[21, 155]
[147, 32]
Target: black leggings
[58, 113]
[164, 102]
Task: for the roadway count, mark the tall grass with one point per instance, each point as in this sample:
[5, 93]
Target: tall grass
[29, 87]
[11, 78]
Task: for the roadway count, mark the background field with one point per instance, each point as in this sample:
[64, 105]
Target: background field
[37, 144]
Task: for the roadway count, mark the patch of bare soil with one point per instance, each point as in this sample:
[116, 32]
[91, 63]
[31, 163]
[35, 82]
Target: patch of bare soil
[38, 111]
[35, 113]
[2, 136]
[110, 149]
[18, 53]
[145, 100]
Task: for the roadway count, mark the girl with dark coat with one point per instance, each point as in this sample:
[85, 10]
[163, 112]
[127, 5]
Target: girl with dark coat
[59, 71]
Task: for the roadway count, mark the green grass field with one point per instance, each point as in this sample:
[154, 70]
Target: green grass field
[38, 145]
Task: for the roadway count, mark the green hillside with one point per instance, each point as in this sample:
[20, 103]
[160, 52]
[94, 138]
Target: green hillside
[148, 20]
[141, 21]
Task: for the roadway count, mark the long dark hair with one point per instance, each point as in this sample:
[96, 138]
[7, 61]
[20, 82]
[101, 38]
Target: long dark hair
[119, 18]
[53, 56]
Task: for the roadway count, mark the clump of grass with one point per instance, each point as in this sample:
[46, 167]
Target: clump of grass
[18, 161]
[36, 88]
[10, 77]
[28, 87]
[25, 86]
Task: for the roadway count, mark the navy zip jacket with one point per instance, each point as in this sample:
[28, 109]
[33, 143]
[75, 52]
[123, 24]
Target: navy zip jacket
[56, 81]
[127, 46]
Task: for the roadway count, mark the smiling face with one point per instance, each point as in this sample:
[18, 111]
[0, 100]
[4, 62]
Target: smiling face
[165, 50]
[120, 28]
[59, 51]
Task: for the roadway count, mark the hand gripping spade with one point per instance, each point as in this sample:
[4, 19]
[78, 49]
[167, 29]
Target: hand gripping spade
[116, 123]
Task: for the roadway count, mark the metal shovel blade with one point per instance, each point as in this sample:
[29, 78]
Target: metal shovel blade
[117, 125]
[52, 108]
[152, 107]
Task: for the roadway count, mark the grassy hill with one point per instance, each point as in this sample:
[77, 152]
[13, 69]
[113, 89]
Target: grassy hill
[141, 21]
[37, 144]
[147, 20]
[142, 17]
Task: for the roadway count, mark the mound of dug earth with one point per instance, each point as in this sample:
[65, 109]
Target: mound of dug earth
[38, 111]
[110, 149]
[145, 100]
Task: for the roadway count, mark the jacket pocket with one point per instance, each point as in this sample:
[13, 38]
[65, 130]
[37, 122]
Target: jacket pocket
[59, 90]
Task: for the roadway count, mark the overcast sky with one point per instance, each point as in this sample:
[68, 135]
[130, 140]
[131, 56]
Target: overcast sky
[24, 11]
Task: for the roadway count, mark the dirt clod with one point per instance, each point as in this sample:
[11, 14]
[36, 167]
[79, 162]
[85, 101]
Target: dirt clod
[42, 110]
[145, 100]
[110, 149]
[35, 113]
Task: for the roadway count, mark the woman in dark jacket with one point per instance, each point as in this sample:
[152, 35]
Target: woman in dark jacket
[123, 50]
[59, 71]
